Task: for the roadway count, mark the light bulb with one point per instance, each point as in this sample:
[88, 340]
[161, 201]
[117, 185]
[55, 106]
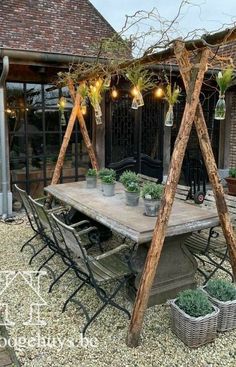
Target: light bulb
[135, 91]
[114, 93]
[159, 93]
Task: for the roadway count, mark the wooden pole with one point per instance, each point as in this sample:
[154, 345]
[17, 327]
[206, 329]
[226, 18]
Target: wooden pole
[76, 112]
[84, 130]
[217, 187]
[197, 76]
[208, 156]
[66, 140]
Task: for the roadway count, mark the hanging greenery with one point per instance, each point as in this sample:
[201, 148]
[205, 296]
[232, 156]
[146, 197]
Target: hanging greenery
[141, 80]
[223, 79]
[83, 92]
[171, 96]
[61, 106]
[95, 91]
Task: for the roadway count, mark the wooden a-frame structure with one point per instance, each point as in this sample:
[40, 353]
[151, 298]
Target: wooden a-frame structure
[192, 72]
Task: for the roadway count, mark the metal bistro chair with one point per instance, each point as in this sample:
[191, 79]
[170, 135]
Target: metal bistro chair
[51, 236]
[209, 246]
[97, 270]
[33, 221]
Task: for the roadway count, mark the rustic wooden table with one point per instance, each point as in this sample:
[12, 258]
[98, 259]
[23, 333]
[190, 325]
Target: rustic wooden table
[177, 266]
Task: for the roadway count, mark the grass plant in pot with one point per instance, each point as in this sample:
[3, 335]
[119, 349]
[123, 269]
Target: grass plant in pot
[231, 181]
[194, 318]
[222, 294]
[108, 183]
[91, 178]
[130, 181]
[106, 172]
[152, 194]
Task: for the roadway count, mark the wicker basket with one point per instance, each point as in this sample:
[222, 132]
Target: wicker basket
[193, 331]
[227, 315]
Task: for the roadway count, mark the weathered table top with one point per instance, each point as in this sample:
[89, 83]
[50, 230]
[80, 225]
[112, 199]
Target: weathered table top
[131, 221]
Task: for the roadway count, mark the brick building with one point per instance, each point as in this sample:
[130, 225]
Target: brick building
[41, 38]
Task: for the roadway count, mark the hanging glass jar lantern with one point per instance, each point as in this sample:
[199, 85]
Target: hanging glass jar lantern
[83, 107]
[138, 99]
[98, 114]
[62, 104]
[223, 79]
[220, 108]
[169, 119]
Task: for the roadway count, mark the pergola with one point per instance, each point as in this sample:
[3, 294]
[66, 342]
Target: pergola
[192, 58]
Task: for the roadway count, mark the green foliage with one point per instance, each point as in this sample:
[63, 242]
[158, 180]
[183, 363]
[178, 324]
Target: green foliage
[172, 95]
[106, 172]
[194, 303]
[140, 78]
[83, 90]
[130, 181]
[232, 172]
[95, 91]
[132, 186]
[108, 179]
[224, 79]
[91, 172]
[221, 289]
[151, 190]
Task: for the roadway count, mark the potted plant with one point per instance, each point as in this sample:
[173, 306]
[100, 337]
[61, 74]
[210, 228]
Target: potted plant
[194, 318]
[151, 194]
[222, 294]
[91, 178]
[231, 181]
[108, 183]
[130, 181]
[106, 172]
[223, 80]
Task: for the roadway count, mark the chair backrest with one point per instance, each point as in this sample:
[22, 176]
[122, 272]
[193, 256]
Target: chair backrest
[209, 202]
[30, 212]
[182, 191]
[70, 238]
[41, 214]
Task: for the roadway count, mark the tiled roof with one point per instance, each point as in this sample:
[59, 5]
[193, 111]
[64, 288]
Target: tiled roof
[55, 26]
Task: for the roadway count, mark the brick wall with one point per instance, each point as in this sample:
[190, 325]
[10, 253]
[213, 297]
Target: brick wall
[57, 26]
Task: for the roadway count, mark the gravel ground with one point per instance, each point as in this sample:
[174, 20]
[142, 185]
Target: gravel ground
[42, 345]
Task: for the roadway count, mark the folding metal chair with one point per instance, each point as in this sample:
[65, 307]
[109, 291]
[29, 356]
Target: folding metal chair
[33, 221]
[209, 246]
[112, 266]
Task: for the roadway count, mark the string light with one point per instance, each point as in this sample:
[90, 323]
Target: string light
[114, 92]
[135, 91]
[159, 93]
[8, 110]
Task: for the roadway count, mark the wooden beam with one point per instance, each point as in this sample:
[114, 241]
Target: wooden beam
[207, 40]
[208, 156]
[197, 76]
[83, 129]
[66, 140]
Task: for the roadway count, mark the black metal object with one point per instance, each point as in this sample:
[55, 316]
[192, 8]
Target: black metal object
[134, 138]
[195, 176]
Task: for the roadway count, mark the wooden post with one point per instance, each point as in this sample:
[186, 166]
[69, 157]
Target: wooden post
[211, 166]
[84, 130]
[76, 112]
[197, 76]
[66, 140]
[217, 187]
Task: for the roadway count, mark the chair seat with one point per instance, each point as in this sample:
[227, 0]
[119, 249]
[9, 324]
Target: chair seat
[108, 268]
[197, 243]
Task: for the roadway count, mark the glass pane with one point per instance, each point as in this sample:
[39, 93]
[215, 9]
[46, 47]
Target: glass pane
[16, 111]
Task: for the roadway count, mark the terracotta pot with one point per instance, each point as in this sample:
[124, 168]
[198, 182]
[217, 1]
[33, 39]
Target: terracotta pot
[231, 182]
